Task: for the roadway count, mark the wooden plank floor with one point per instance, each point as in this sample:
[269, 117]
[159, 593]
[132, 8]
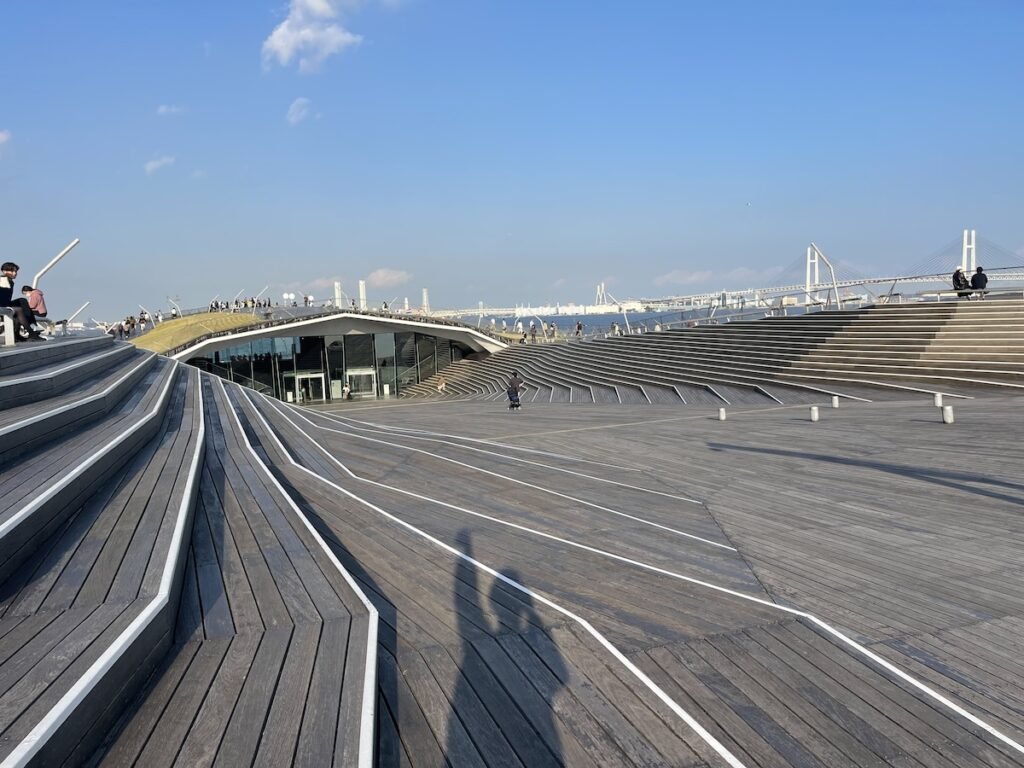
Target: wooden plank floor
[902, 533]
[271, 642]
[28, 475]
[82, 587]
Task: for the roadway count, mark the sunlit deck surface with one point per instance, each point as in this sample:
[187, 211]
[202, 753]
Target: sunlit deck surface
[192, 574]
[901, 533]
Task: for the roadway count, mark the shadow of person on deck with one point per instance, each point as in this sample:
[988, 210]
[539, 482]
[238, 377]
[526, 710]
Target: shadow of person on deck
[508, 714]
[945, 477]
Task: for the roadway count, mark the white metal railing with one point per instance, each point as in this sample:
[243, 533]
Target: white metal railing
[53, 262]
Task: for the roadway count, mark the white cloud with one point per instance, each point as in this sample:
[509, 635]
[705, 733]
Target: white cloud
[387, 278]
[156, 164]
[310, 34]
[198, 173]
[298, 111]
[169, 109]
[323, 284]
[5, 136]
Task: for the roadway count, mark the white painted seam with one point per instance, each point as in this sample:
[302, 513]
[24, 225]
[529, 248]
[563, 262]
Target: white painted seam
[32, 506]
[722, 751]
[78, 363]
[77, 403]
[51, 722]
[689, 579]
[368, 713]
[498, 520]
[917, 684]
[410, 431]
[573, 499]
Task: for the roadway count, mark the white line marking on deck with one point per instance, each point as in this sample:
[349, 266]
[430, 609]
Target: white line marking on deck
[685, 716]
[677, 497]
[10, 523]
[573, 499]
[425, 433]
[927, 690]
[368, 713]
[23, 753]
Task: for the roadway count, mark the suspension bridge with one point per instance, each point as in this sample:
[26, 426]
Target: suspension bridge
[823, 283]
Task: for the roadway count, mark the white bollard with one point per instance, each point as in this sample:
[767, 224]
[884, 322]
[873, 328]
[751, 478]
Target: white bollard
[938, 399]
[721, 414]
[947, 414]
[835, 401]
[814, 413]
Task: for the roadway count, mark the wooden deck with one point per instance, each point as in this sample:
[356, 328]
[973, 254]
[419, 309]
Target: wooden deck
[191, 574]
[84, 586]
[871, 521]
[271, 642]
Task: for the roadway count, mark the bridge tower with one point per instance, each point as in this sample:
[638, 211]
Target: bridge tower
[969, 257]
[812, 276]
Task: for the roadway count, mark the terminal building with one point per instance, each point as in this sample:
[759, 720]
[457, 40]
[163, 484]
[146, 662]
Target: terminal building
[313, 359]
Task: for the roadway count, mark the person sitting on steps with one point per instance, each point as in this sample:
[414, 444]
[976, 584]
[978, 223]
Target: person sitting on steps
[23, 316]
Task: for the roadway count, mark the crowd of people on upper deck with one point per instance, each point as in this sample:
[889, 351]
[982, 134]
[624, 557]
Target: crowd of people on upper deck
[240, 304]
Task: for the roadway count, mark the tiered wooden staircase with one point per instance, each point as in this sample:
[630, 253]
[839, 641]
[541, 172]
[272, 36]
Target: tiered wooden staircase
[957, 348]
[152, 570]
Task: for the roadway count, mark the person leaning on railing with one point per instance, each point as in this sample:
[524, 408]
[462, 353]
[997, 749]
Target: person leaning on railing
[23, 316]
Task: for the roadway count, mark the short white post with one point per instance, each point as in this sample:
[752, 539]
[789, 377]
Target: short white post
[814, 413]
[721, 414]
[947, 414]
[835, 401]
[938, 400]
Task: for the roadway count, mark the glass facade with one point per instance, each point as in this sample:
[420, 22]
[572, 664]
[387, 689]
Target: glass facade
[318, 368]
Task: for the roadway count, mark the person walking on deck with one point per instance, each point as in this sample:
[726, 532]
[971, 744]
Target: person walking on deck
[515, 386]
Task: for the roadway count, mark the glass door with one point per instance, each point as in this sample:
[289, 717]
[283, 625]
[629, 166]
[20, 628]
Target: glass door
[363, 382]
[309, 387]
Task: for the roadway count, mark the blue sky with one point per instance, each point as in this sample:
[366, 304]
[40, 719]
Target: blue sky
[506, 152]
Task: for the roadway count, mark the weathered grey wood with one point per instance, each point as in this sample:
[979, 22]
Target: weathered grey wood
[281, 730]
[203, 739]
[170, 730]
[241, 739]
[319, 726]
[905, 536]
[350, 708]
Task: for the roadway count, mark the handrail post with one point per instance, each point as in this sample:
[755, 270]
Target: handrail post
[54, 260]
[73, 316]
